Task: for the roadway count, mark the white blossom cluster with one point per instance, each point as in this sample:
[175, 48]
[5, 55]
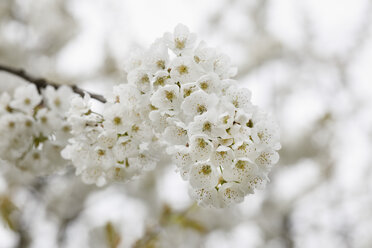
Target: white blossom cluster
[187, 103]
[34, 129]
[221, 143]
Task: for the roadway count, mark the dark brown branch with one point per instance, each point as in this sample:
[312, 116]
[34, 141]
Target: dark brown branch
[42, 83]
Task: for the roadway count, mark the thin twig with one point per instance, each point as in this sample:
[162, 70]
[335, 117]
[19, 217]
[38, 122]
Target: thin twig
[42, 83]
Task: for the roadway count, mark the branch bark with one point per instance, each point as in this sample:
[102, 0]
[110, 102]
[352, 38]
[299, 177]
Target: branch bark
[42, 83]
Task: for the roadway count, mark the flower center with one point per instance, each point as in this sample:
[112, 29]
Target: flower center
[206, 169]
[117, 120]
[182, 69]
[180, 44]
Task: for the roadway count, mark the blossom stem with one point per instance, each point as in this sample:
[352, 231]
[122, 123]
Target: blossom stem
[42, 83]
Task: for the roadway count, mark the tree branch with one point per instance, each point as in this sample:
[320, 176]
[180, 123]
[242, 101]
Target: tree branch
[42, 83]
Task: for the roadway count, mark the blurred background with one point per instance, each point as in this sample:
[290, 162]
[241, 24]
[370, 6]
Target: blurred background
[307, 62]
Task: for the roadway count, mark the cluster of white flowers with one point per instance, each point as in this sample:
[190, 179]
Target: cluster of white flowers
[184, 103]
[34, 129]
[115, 146]
[221, 143]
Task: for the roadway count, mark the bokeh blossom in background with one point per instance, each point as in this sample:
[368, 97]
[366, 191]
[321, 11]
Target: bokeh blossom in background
[185, 152]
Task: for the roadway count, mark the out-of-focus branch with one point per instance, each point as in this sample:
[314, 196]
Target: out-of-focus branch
[42, 83]
[170, 217]
[12, 216]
